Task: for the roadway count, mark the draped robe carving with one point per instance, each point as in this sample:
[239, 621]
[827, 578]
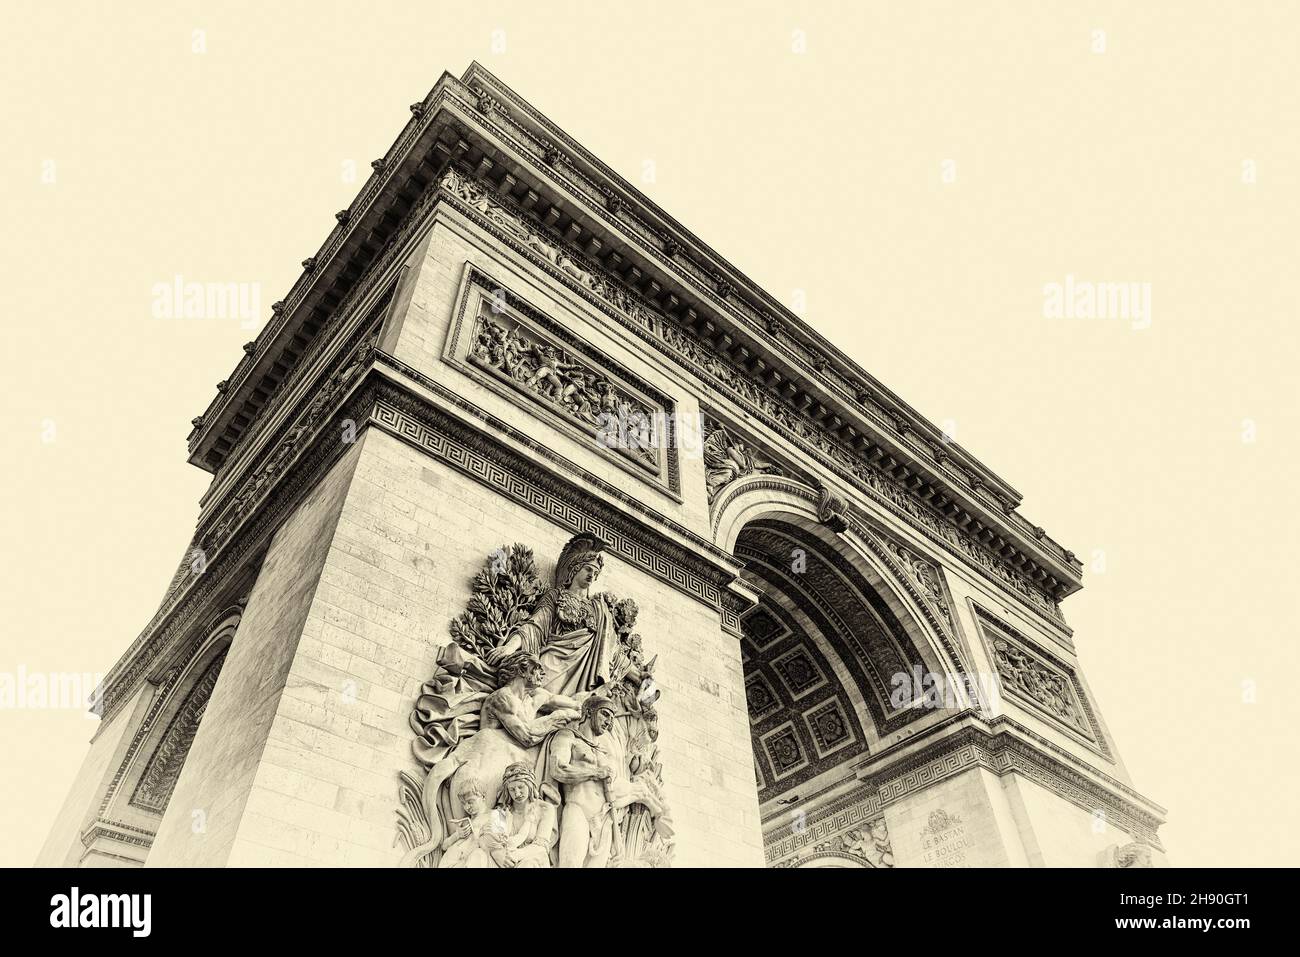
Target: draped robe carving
[522, 660]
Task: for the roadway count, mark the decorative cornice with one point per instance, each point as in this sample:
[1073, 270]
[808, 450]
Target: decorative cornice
[527, 235]
[679, 252]
[117, 831]
[500, 120]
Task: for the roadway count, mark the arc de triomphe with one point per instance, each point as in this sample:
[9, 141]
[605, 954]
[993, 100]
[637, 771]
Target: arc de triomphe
[539, 534]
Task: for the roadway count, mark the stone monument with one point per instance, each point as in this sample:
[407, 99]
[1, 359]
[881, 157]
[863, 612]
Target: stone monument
[539, 536]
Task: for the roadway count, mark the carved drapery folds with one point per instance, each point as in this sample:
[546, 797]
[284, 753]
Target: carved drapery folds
[536, 733]
[162, 772]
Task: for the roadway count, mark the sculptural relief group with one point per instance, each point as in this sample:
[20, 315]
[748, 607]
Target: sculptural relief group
[537, 732]
[555, 376]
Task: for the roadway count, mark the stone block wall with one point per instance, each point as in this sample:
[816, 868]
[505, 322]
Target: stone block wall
[409, 535]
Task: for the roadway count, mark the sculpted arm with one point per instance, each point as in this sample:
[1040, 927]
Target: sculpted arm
[529, 635]
[505, 708]
[556, 702]
[567, 767]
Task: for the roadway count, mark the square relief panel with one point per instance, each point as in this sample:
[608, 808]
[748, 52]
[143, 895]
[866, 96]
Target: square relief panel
[798, 672]
[762, 628]
[830, 728]
[762, 697]
[784, 751]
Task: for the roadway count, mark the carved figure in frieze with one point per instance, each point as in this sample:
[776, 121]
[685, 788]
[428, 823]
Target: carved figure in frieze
[514, 719]
[524, 663]
[925, 576]
[583, 769]
[461, 845]
[1039, 683]
[549, 375]
[562, 380]
[522, 830]
[589, 765]
[870, 843]
[727, 459]
[571, 631]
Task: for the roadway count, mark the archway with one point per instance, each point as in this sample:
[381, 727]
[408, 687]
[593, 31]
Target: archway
[823, 651]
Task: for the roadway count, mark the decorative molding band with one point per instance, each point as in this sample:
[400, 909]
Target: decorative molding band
[417, 422]
[1002, 753]
[797, 829]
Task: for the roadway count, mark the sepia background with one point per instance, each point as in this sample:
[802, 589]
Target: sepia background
[909, 176]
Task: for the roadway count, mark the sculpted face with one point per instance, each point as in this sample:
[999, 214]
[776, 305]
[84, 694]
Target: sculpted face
[535, 677]
[584, 576]
[602, 720]
[473, 804]
[518, 791]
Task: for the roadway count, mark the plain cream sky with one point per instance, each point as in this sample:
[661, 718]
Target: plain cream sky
[819, 171]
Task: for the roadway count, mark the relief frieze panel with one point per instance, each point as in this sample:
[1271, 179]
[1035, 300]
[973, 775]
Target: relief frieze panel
[504, 342]
[1049, 687]
[536, 734]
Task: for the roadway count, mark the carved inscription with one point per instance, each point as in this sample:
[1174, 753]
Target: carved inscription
[944, 841]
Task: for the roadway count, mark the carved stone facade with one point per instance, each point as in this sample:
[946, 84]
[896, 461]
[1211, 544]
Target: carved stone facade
[164, 768]
[500, 342]
[550, 687]
[1028, 675]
